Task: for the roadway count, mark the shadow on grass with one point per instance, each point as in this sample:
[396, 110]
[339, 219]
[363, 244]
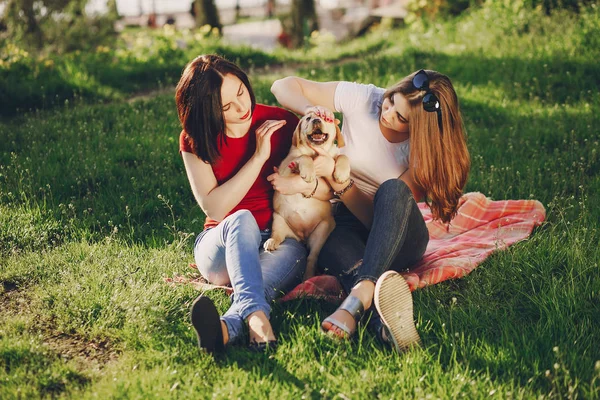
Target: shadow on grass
[93, 76]
[264, 366]
[269, 366]
[547, 80]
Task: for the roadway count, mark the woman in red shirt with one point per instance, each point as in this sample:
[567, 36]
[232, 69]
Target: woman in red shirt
[229, 146]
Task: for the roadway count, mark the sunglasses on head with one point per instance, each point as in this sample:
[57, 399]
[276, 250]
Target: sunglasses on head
[430, 101]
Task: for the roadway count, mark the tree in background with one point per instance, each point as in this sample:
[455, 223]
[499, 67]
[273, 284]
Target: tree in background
[303, 21]
[205, 12]
[23, 20]
[113, 13]
[59, 25]
[270, 8]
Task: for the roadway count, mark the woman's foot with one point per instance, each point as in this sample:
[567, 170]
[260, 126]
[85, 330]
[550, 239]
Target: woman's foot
[211, 330]
[342, 323]
[261, 332]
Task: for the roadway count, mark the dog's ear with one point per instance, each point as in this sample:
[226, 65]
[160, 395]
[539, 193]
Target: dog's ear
[296, 136]
[338, 134]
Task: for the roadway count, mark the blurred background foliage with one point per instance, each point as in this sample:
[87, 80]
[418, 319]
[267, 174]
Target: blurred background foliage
[57, 25]
[449, 8]
[52, 51]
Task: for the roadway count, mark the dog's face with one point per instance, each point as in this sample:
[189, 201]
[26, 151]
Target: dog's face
[314, 131]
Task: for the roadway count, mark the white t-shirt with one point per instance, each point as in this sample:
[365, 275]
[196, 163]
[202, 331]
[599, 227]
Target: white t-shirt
[372, 157]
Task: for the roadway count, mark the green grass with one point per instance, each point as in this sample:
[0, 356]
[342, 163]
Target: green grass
[95, 210]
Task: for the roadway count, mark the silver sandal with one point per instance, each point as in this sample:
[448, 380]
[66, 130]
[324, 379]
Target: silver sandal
[354, 307]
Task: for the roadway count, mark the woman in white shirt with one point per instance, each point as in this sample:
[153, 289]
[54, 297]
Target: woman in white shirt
[405, 144]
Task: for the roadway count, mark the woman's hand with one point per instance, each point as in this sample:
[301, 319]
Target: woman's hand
[263, 138]
[289, 184]
[321, 112]
[324, 164]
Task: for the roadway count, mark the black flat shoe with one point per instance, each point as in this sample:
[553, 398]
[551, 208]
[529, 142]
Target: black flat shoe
[263, 347]
[206, 322]
[384, 340]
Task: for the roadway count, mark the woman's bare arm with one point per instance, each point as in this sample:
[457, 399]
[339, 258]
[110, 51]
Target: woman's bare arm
[294, 184]
[298, 94]
[217, 201]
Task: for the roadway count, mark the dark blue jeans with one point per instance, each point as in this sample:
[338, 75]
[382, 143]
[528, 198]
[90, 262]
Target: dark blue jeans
[397, 239]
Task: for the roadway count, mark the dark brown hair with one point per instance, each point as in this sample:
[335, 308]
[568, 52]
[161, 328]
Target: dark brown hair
[199, 103]
[439, 160]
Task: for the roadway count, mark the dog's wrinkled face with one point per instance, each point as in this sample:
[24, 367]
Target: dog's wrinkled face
[315, 131]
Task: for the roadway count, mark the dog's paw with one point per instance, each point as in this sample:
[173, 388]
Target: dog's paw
[270, 245]
[341, 173]
[307, 172]
[341, 177]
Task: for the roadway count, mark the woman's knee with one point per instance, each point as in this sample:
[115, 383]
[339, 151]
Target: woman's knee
[211, 265]
[218, 277]
[393, 190]
[244, 217]
[243, 222]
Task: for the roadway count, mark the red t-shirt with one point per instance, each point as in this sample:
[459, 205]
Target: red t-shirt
[236, 153]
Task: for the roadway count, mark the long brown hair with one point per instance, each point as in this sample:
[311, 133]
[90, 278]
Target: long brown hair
[199, 103]
[439, 160]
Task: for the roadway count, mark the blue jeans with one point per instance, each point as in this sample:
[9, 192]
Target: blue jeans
[397, 239]
[232, 253]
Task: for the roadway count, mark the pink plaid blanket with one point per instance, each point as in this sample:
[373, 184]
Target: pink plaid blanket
[481, 227]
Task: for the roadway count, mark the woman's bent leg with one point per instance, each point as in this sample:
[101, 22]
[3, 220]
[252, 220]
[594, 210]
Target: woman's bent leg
[397, 240]
[344, 249]
[398, 230]
[341, 256]
[229, 253]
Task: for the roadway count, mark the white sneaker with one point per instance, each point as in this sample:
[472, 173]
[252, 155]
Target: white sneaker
[394, 303]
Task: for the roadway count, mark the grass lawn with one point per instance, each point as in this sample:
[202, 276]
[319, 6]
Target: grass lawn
[95, 210]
